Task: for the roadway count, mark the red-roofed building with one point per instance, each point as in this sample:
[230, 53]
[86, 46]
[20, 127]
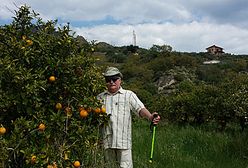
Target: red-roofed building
[215, 50]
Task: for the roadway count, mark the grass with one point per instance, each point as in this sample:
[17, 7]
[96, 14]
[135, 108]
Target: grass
[189, 147]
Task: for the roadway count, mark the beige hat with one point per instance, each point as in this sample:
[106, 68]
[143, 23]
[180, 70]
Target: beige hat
[111, 71]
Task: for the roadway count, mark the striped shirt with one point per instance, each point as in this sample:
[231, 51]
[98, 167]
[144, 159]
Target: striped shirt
[119, 105]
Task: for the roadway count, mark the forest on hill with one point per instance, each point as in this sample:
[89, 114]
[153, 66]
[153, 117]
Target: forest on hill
[192, 88]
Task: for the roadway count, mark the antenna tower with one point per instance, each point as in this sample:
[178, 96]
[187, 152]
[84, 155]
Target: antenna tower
[134, 38]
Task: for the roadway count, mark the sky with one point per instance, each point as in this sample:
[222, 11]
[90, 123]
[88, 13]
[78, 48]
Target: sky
[185, 25]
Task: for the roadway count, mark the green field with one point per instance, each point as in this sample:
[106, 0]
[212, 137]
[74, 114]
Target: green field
[189, 147]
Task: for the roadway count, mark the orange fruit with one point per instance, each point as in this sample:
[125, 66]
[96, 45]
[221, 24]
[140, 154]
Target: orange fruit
[83, 113]
[49, 166]
[2, 130]
[33, 159]
[58, 106]
[29, 42]
[97, 110]
[41, 127]
[76, 164]
[52, 79]
[103, 110]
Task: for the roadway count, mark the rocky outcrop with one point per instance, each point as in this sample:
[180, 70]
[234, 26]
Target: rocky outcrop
[166, 84]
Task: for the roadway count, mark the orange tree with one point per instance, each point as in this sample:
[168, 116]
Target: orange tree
[49, 83]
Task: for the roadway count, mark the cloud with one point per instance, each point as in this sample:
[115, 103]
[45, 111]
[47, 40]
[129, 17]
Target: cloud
[221, 11]
[190, 37]
[137, 12]
[131, 12]
[188, 26]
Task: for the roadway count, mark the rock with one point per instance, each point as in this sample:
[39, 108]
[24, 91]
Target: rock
[166, 84]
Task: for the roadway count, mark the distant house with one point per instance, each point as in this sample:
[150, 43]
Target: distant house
[215, 50]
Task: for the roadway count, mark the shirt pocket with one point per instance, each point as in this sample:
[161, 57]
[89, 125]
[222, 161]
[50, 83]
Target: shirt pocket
[123, 106]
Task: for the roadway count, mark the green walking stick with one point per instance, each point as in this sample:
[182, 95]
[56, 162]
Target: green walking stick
[153, 138]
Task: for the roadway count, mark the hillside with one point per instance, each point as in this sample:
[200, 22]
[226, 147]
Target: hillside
[193, 88]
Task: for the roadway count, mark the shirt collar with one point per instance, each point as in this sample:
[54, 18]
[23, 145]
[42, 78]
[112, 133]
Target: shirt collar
[121, 91]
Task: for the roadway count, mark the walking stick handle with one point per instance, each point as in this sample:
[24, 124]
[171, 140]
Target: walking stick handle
[154, 116]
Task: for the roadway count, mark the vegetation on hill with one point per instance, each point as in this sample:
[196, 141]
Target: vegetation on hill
[181, 87]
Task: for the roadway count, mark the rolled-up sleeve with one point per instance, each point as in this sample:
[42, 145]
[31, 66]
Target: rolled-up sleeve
[135, 103]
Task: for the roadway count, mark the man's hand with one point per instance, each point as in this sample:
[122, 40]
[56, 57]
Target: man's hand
[155, 118]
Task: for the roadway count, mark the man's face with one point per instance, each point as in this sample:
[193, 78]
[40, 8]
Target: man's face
[113, 83]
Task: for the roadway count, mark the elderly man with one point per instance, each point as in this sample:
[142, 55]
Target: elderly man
[119, 104]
